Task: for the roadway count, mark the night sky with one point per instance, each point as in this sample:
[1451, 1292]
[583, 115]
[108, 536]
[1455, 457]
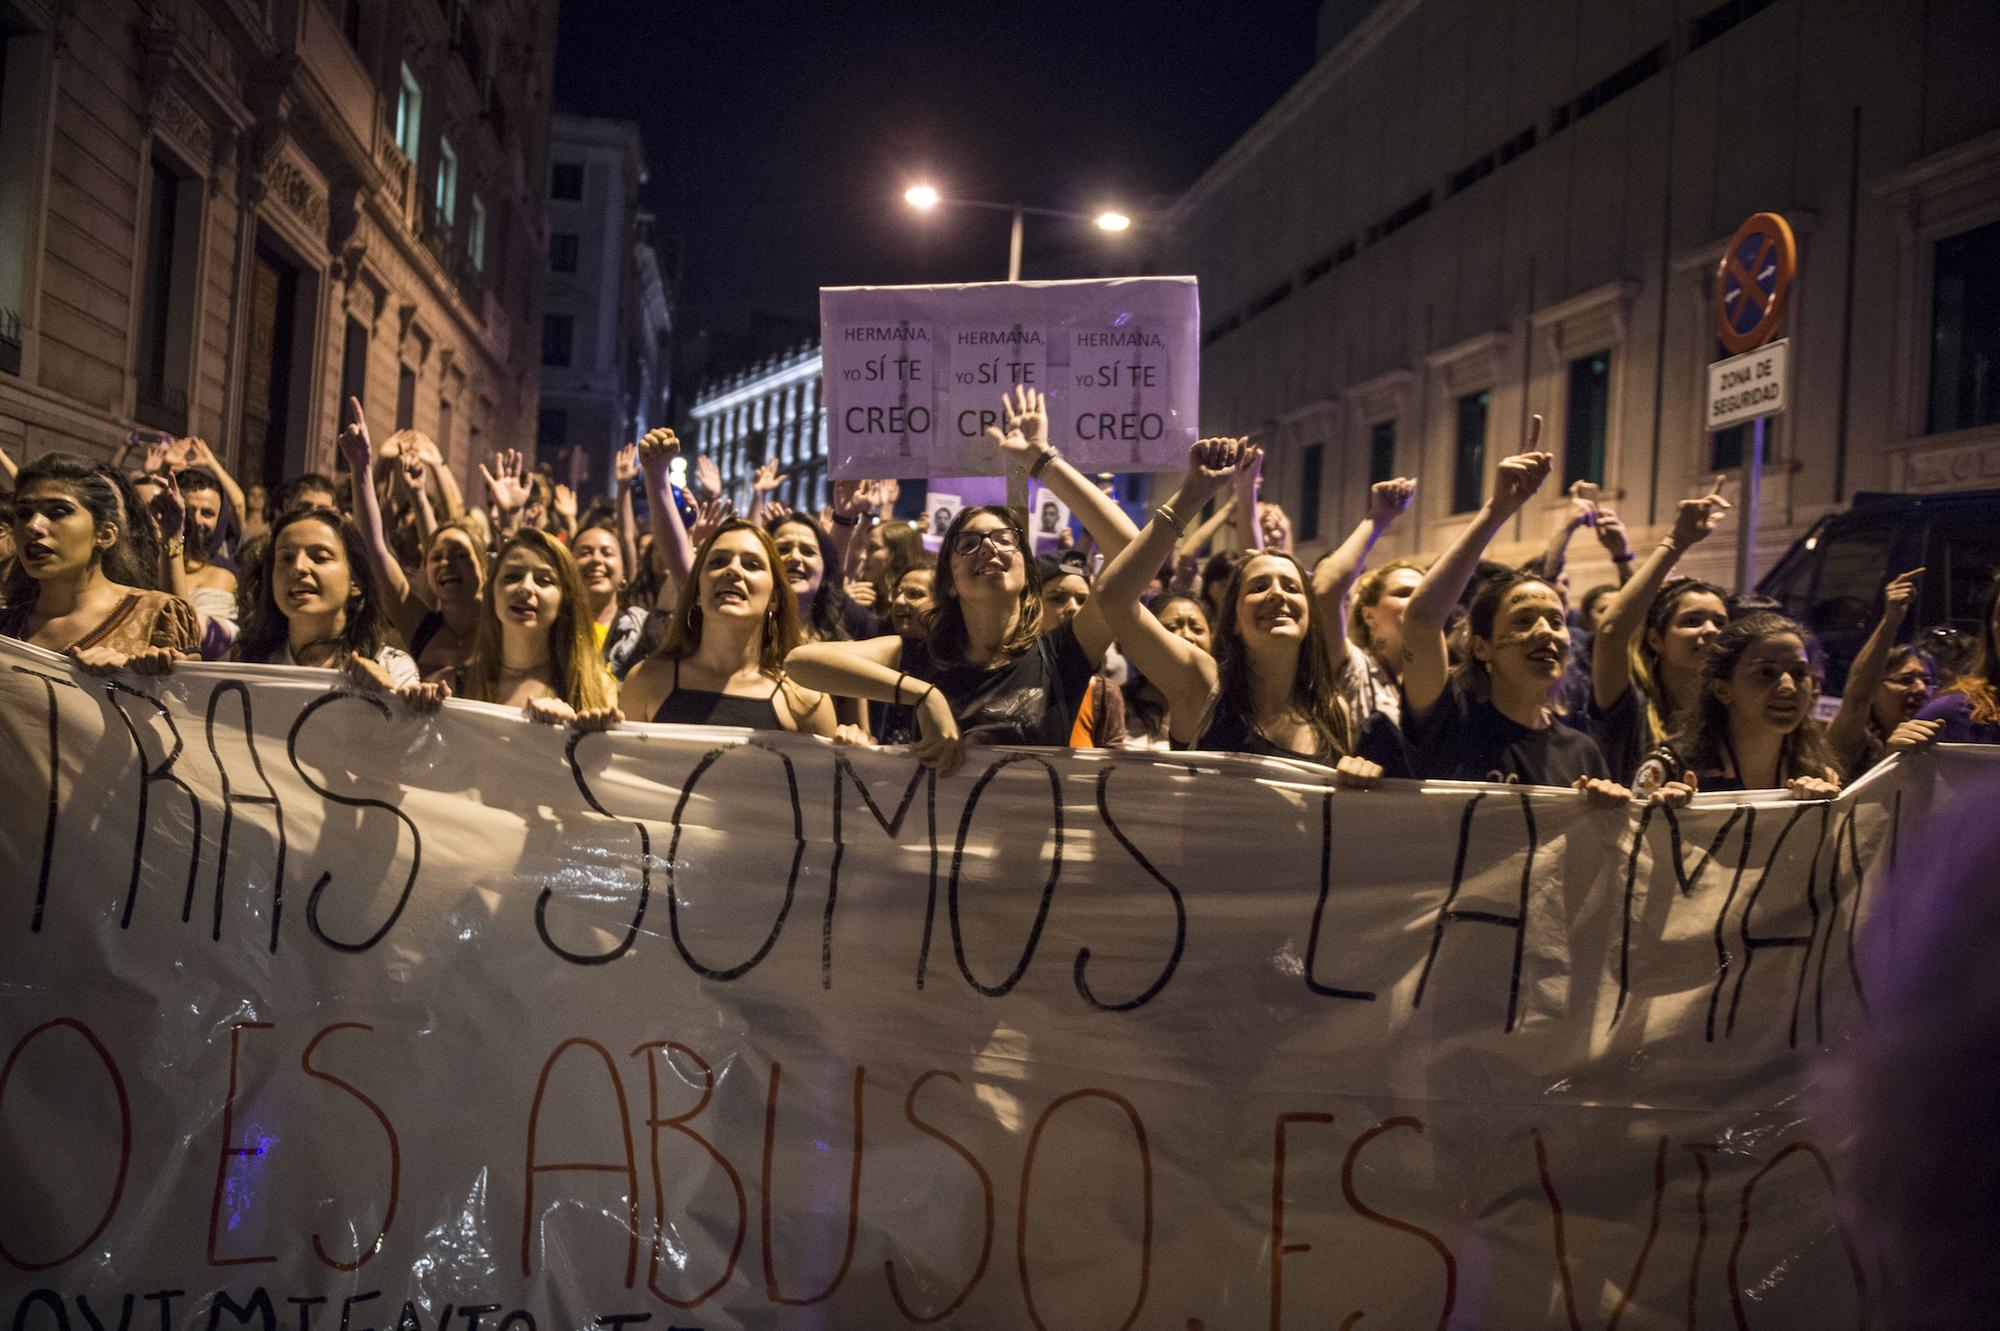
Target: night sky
[781, 136]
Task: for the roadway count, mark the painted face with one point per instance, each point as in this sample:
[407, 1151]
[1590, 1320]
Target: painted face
[737, 578]
[1061, 598]
[910, 608]
[452, 569]
[798, 552]
[527, 593]
[1530, 642]
[1902, 693]
[1385, 617]
[600, 561]
[1772, 684]
[309, 571]
[1697, 619]
[204, 512]
[986, 557]
[1273, 600]
[1186, 620]
[54, 533]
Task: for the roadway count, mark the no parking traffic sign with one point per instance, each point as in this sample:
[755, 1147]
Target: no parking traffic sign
[1752, 282]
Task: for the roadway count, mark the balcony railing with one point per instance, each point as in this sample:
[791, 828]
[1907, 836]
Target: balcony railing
[441, 239]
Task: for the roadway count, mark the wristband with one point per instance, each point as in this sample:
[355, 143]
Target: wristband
[1171, 518]
[854, 521]
[1625, 558]
[174, 548]
[1049, 454]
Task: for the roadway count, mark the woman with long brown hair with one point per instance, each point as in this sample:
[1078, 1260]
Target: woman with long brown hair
[1271, 685]
[1969, 708]
[533, 647]
[723, 663]
[989, 673]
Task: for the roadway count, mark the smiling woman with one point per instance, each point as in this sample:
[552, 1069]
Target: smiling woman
[533, 647]
[723, 663]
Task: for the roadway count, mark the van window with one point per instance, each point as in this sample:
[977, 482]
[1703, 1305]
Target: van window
[1853, 566]
[1962, 558]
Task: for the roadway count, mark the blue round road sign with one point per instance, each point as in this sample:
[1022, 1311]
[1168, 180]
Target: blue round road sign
[1752, 282]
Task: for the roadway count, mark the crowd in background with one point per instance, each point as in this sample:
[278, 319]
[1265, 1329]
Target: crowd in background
[662, 603]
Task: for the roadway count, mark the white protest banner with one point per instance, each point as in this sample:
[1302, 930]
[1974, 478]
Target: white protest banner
[321, 1014]
[914, 375]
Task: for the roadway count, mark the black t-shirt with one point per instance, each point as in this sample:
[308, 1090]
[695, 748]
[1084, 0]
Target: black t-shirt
[1461, 739]
[1030, 700]
[896, 723]
[1620, 730]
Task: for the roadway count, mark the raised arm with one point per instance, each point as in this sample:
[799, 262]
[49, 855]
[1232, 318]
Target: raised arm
[1334, 576]
[1249, 479]
[854, 506]
[1183, 672]
[1848, 732]
[1611, 656]
[204, 457]
[1025, 442]
[670, 536]
[1549, 563]
[508, 487]
[406, 610]
[625, 470]
[1197, 540]
[1426, 659]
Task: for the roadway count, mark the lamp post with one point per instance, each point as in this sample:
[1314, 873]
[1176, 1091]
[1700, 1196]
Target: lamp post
[925, 197]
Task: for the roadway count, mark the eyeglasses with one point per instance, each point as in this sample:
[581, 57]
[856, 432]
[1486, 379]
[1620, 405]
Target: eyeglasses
[1002, 539]
[1908, 679]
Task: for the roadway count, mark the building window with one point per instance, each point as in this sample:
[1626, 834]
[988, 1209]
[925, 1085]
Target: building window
[166, 298]
[406, 397]
[409, 114]
[1965, 332]
[354, 366]
[1381, 452]
[447, 183]
[558, 331]
[1584, 422]
[1309, 483]
[1468, 467]
[566, 180]
[562, 252]
[551, 429]
[475, 234]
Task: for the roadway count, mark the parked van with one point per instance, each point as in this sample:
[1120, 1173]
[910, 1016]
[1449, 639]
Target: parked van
[1831, 579]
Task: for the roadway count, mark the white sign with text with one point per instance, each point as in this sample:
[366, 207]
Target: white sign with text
[1744, 387]
[914, 375]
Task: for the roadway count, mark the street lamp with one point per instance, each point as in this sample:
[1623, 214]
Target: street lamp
[925, 197]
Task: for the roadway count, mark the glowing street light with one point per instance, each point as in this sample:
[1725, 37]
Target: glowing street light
[925, 197]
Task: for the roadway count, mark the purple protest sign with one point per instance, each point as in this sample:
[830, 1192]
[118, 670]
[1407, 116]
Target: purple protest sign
[914, 375]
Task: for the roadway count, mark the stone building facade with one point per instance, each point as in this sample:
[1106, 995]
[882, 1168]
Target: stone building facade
[223, 217]
[1469, 211]
[607, 322]
[774, 408]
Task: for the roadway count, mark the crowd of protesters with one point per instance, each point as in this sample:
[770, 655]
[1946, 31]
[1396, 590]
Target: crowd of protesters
[842, 624]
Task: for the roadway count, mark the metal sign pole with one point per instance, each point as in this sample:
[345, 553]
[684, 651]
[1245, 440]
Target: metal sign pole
[1746, 510]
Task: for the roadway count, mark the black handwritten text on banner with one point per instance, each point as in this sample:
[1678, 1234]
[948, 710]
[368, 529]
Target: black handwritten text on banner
[315, 1008]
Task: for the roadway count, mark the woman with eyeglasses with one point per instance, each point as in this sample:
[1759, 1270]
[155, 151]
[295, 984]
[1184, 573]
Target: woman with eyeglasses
[988, 673]
[1887, 686]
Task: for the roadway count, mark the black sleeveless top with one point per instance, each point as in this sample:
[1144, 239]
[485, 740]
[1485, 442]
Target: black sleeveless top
[1230, 731]
[698, 707]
